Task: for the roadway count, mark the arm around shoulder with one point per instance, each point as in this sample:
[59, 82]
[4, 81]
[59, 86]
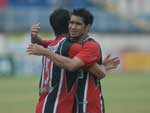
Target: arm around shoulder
[65, 62]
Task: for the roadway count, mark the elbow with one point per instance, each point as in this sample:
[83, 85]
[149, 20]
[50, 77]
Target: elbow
[72, 67]
[100, 75]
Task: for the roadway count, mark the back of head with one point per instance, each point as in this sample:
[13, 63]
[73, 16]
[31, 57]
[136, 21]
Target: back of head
[59, 21]
[85, 14]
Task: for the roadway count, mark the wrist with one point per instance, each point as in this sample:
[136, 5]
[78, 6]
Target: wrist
[45, 52]
[104, 68]
[33, 35]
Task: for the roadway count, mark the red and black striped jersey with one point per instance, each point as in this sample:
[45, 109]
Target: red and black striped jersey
[89, 95]
[58, 86]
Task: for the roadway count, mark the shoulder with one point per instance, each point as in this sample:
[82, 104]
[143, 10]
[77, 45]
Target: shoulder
[76, 45]
[74, 49]
[57, 40]
[91, 44]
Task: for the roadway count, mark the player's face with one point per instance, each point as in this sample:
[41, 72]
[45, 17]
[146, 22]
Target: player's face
[77, 27]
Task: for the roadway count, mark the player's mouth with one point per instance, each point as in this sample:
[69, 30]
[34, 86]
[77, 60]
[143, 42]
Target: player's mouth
[73, 32]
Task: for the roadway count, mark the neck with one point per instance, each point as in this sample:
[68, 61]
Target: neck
[82, 38]
[78, 39]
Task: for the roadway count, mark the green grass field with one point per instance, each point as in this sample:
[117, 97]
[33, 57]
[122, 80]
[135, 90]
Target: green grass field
[123, 93]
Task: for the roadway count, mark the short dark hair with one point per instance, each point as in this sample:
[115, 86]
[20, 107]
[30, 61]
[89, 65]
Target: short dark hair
[59, 21]
[85, 14]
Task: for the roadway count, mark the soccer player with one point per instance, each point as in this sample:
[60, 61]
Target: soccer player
[89, 96]
[54, 96]
[46, 102]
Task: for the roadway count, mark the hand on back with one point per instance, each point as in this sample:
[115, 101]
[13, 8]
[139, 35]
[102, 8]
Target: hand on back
[111, 63]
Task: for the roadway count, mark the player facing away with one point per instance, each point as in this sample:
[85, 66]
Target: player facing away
[78, 24]
[55, 92]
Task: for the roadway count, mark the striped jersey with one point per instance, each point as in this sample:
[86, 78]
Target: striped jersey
[89, 97]
[57, 86]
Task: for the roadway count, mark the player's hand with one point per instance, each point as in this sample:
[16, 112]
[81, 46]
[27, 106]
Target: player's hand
[35, 29]
[111, 63]
[34, 49]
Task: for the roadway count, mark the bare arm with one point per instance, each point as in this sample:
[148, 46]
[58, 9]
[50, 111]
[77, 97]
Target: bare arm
[73, 64]
[61, 61]
[98, 70]
[65, 62]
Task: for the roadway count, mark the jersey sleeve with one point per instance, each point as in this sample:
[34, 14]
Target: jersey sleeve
[74, 49]
[45, 43]
[89, 54]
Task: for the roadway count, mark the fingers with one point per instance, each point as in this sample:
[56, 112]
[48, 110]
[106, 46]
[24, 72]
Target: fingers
[107, 57]
[110, 68]
[32, 46]
[35, 49]
[35, 29]
[31, 49]
[36, 25]
[30, 52]
[117, 62]
[116, 59]
[112, 63]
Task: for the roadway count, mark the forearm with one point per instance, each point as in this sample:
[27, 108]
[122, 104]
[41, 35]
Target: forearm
[61, 61]
[98, 70]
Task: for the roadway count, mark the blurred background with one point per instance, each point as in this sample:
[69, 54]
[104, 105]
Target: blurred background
[122, 27]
